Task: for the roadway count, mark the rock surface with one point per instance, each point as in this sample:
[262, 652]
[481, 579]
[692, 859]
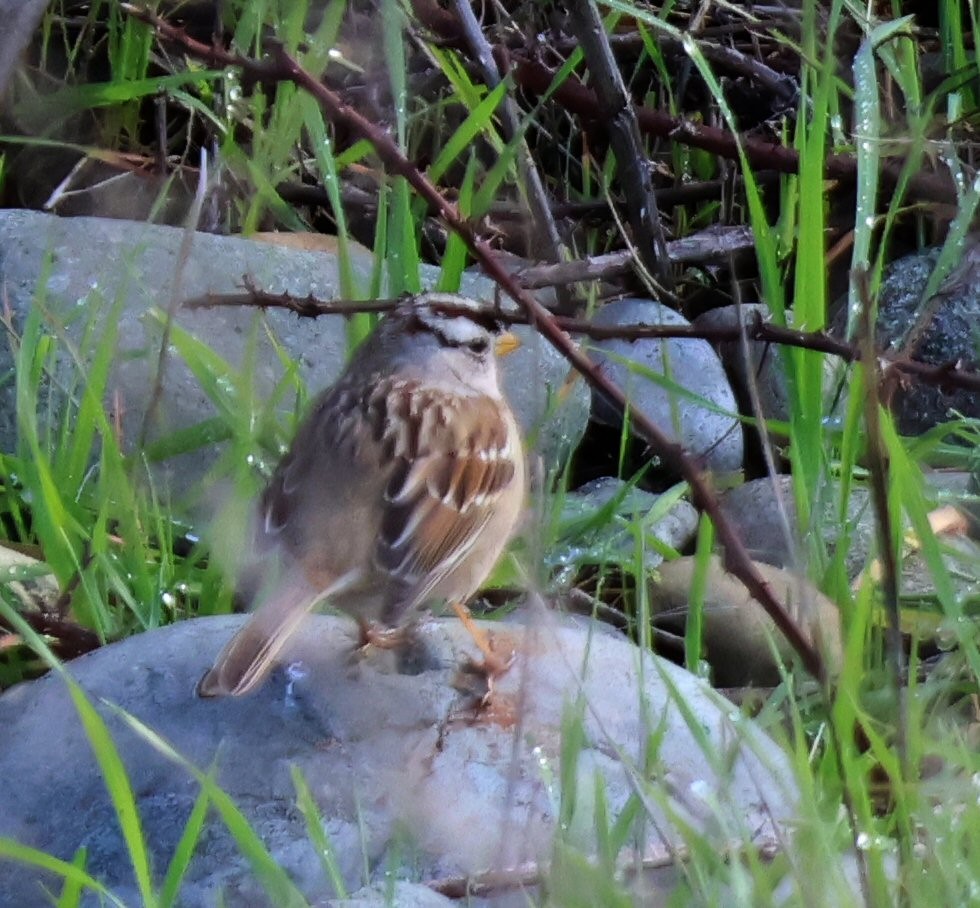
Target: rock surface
[711, 432]
[754, 510]
[76, 270]
[673, 524]
[409, 784]
[737, 634]
[939, 330]
[764, 368]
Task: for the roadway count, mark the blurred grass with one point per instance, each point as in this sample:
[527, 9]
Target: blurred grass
[109, 539]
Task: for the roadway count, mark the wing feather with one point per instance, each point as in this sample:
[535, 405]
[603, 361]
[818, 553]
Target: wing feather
[440, 498]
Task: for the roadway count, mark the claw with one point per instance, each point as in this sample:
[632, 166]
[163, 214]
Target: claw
[373, 634]
[488, 669]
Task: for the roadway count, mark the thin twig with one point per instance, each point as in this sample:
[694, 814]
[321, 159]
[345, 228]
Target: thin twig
[544, 240]
[878, 471]
[756, 328]
[183, 255]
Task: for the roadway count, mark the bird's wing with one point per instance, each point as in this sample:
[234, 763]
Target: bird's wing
[449, 472]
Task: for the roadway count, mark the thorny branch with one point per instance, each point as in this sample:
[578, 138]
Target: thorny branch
[892, 365]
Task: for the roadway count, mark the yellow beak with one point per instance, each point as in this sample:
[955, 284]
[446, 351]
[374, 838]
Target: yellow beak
[506, 344]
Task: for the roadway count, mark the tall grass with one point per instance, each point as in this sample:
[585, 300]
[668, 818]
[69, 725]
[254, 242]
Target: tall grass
[109, 537]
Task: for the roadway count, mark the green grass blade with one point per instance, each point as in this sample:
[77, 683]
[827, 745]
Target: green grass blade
[73, 99]
[184, 852]
[14, 851]
[318, 837]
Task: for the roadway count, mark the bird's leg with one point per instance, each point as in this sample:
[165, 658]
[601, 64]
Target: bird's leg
[413, 656]
[493, 665]
[371, 633]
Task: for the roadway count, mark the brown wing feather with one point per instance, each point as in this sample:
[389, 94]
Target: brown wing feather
[440, 496]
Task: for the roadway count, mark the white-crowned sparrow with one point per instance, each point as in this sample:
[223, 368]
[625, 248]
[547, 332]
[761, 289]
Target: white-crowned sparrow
[401, 487]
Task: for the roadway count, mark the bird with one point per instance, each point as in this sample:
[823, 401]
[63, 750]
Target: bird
[400, 490]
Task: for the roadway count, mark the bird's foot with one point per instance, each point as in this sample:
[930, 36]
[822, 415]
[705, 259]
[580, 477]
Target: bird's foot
[413, 656]
[477, 677]
[381, 636]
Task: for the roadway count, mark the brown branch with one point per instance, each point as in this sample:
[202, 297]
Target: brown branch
[655, 856]
[667, 197]
[878, 472]
[951, 375]
[71, 639]
[281, 67]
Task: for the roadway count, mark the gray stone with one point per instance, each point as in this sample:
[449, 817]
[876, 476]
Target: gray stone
[551, 400]
[76, 270]
[940, 330]
[410, 783]
[614, 539]
[754, 510]
[764, 368]
[754, 513]
[692, 364]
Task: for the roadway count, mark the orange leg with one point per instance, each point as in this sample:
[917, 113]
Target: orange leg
[493, 665]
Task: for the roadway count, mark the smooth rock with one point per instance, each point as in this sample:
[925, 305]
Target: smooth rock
[755, 511]
[552, 401]
[692, 364]
[76, 270]
[631, 510]
[764, 369]
[737, 634]
[410, 785]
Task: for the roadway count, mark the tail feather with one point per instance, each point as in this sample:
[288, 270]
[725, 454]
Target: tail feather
[249, 656]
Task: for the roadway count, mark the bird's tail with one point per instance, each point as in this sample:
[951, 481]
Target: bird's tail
[250, 655]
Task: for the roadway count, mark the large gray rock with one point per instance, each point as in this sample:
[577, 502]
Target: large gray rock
[763, 370]
[756, 512]
[76, 270]
[711, 432]
[941, 329]
[409, 783]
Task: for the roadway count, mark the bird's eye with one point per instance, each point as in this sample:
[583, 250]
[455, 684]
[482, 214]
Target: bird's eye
[479, 345]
